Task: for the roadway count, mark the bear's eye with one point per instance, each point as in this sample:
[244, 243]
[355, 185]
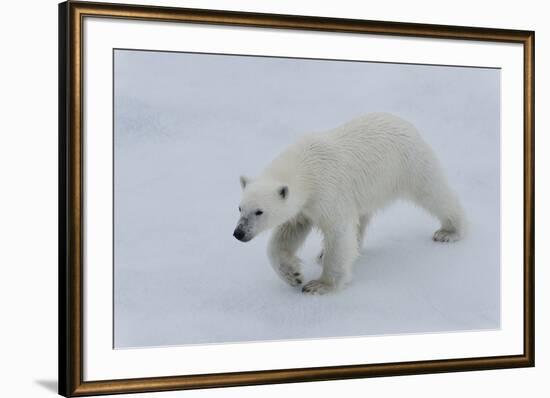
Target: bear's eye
[259, 212]
[239, 209]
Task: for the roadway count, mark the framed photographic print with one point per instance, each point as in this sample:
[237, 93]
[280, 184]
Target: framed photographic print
[252, 198]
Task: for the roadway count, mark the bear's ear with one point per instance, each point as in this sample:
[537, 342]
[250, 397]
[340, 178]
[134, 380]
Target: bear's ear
[283, 192]
[244, 181]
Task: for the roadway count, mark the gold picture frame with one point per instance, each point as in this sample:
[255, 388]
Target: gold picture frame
[71, 15]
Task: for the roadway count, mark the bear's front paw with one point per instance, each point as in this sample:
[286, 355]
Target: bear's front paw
[290, 274]
[316, 286]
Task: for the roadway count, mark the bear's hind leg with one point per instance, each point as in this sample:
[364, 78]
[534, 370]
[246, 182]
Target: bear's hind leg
[284, 243]
[361, 227]
[438, 199]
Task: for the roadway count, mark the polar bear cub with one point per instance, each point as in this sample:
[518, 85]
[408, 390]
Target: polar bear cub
[335, 181]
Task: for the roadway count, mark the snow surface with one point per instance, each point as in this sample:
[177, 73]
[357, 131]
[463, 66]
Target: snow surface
[186, 127]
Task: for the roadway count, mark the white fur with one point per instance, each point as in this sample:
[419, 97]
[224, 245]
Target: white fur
[336, 181]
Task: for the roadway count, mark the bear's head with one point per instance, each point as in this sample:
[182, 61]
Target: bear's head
[265, 204]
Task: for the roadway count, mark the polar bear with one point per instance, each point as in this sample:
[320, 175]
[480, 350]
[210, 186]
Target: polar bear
[336, 181]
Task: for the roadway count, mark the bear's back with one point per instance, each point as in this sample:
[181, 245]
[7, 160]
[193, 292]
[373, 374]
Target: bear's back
[369, 159]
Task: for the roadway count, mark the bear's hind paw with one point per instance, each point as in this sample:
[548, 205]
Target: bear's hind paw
[442, 235]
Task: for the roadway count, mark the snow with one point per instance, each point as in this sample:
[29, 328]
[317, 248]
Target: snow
[186, 127]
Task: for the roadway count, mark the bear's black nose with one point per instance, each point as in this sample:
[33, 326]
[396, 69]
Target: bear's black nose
[239, 234]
